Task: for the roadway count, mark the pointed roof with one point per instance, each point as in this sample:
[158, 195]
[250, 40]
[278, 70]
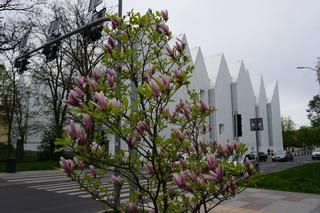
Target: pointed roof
[273, 91]
[262, 91]
[194, 52]
[235, 70]
[213, 64]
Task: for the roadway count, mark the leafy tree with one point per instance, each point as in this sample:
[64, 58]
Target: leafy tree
[314, 111]
[289, 132]
[140, 64]
[287, 124]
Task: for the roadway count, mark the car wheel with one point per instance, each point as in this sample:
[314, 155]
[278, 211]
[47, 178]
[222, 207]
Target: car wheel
[272, 160]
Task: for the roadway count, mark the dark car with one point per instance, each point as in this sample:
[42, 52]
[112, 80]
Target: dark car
[282, 156]
[263, 156]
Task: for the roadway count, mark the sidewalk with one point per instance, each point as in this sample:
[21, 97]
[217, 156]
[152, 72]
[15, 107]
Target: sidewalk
[270, 201]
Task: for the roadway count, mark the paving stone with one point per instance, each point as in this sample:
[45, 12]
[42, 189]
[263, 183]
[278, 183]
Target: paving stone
[311, 200]
[267, 196]
[237, 203]
[283, 206]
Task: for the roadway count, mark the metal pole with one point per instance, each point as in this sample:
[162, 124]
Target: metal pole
[117, 144]
[78, 30]
[257, 143]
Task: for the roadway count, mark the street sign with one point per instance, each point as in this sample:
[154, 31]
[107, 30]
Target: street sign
[256, 124]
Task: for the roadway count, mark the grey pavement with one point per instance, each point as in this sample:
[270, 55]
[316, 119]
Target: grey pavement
[52, 191]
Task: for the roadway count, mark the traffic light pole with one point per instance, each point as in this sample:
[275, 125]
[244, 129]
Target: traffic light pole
[57, 40]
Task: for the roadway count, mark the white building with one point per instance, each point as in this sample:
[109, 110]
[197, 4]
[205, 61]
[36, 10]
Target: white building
[230, 92]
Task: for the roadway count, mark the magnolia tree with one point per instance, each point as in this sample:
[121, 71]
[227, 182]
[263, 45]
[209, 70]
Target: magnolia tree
[132, 98]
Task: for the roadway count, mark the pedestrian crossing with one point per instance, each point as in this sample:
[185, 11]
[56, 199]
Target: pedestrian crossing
[58, 182]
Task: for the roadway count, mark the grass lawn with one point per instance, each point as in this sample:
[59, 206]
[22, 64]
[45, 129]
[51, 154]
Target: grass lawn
[304, 178]
[32, 166]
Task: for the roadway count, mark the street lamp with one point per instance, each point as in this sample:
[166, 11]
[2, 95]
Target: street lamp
[317, 70]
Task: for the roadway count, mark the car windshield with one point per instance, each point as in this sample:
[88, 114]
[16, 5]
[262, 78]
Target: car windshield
[317, 150]
[280, 152]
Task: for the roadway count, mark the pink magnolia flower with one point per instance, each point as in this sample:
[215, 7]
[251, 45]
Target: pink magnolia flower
[163, 29]
[179, 179]
[117, 180]
[142, 127]
[87, 122]
[96, 74]
[67, 165]
[73, 130]
[101, 100]
[111, 42]
[149, 167]
[132, 208]
[180, 45]
[116, 104]
[95, 147]
[155, 88]
[165, 15]
[94, 193]
[191, 175]
[212, 161]
[132, 140]
[111, 72]
[93, 85]
[92, 170]
[165, 82]
[74, 97]
[81, 81]
[203, 106]
[114, 23]
[178, 74]
[82, 137]
[170, 52]
[110, 80]
[186, 111]
[79, 163]
[177, 132]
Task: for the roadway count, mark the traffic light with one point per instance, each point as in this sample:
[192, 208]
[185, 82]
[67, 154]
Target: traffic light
[238, 119]
[51, 52]
[21, 64]
[94, 33]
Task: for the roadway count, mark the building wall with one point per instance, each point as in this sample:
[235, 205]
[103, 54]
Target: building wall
[274, 115]
[261, 112]
[244, 103]
[222, 117]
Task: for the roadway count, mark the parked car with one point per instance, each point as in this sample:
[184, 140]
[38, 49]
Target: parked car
[250, 156]
[263, 156]
[316, 154]
[282, 155]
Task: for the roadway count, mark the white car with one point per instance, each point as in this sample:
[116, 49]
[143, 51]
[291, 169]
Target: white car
[316, 154]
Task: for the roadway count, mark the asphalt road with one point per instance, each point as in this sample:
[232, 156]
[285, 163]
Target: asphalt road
[269, 166]
[53, 192]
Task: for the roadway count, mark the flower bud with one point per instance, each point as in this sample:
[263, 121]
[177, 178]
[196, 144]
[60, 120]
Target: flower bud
[203, 106]
[170, 52]
[155, 88]
[179, 179]
[96, 74]
[67, 165]
[165, 15]
[87, 122]
[177, 133]
[117, 180]
[142, 127]
[92, 171]
[212, 162]
[110, 80]
[102, 103]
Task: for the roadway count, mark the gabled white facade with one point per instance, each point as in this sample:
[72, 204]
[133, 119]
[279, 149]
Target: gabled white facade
[230, 92]
[220, 98]
[244, 102]
[261, 112]
[274, 120]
